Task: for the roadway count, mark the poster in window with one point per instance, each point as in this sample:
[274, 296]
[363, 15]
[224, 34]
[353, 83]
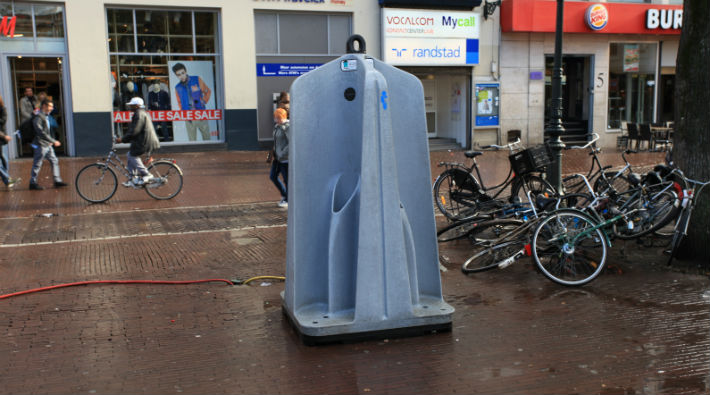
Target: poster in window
[631, 57]
[487, 101]
[193, 102]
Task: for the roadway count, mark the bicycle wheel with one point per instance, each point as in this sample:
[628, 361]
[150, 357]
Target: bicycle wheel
[568, 249]
[96, 183]
[167, 182]
[495, 230]
[456, 194]
[457, 230]
[492, 256]
[538, 187]
[655, 211]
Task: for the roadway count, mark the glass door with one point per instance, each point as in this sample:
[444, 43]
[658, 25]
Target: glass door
[38, 78]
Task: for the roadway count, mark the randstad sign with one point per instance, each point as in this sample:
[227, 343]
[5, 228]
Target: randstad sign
[7, 26]
[426, 37]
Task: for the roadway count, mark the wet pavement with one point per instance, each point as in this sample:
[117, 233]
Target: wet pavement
[639, 328]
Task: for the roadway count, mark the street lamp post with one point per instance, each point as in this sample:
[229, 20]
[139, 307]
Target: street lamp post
[554, 128]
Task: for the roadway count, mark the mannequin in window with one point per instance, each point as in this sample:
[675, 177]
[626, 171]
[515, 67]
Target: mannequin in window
[129, 89]
[159, 100]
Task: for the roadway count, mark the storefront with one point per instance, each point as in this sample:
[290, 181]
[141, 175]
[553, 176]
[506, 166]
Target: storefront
[192, 62]
[172, 60]
[282, 54]
[33, 59]
[618, 66]
[441, 48]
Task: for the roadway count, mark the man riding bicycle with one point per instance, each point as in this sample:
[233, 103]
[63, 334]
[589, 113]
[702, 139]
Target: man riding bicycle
[141, 135]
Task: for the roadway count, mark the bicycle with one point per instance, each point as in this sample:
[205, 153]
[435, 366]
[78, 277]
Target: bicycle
[460, 195]
[97, 182]
[688, 203]
[500, 242]
[570, 247]
[602, 176]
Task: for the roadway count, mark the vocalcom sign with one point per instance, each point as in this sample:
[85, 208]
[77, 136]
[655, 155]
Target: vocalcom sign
[428, 37]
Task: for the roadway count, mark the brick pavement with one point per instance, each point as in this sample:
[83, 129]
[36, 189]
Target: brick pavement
[643, 329]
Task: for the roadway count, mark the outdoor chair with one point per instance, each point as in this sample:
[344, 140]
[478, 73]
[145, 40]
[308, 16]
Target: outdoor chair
[646, 135]
[665, 138]
[633, 135]
[622, 141]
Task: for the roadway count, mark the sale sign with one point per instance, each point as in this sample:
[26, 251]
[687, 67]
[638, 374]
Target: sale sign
[170, 116]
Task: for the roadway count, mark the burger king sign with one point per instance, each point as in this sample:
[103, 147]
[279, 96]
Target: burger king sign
[596, 17]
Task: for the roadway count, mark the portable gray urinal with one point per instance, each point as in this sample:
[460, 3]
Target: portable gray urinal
[362, 258]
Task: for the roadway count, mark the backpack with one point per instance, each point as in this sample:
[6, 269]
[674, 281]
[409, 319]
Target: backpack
[27, 130]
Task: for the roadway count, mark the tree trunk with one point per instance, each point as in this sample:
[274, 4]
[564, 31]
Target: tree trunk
[691, 150]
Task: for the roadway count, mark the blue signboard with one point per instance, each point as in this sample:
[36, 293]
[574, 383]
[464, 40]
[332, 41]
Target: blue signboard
[284, 69]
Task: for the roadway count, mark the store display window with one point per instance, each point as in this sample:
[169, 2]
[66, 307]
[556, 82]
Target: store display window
[170, 59]
[632, 83]
[31, 27]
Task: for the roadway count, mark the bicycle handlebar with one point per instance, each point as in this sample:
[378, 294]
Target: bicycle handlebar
[508, 146]
[594, 140]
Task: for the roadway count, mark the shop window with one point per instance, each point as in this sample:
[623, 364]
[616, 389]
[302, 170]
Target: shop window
[49, 21]
[632, 83]
[37, 27]
[173, 67]
[205, 28]
[293, 28]
[265, 28]
[283, 33]
[23, 23]
[120, 31]
[339, 26]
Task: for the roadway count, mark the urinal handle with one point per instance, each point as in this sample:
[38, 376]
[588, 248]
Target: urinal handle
[350, 48]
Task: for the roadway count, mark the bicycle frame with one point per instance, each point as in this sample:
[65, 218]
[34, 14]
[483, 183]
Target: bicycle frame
[688, 204]
[113, 160]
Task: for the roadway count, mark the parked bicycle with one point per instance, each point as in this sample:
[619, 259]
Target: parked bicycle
[97, 182]
[459, 194]
[498, 242]
[689, 200]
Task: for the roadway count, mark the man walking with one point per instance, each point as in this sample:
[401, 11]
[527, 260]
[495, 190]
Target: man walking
[27, 105]
[43, 145]
[192, 94]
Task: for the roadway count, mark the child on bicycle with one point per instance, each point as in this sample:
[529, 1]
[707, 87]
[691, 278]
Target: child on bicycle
[141, 135]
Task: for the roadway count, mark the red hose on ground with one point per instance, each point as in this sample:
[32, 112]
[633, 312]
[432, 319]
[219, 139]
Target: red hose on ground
[113, 282]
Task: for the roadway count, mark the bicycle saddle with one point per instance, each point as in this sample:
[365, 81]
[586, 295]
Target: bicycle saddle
[472, 154]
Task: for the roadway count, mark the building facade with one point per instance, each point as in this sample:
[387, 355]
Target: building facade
[210, 70]
[618, 65]
[203, 68]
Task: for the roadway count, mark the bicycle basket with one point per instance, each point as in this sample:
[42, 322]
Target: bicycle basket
[530, 160]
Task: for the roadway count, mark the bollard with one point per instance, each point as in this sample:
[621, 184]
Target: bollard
[362, 258]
